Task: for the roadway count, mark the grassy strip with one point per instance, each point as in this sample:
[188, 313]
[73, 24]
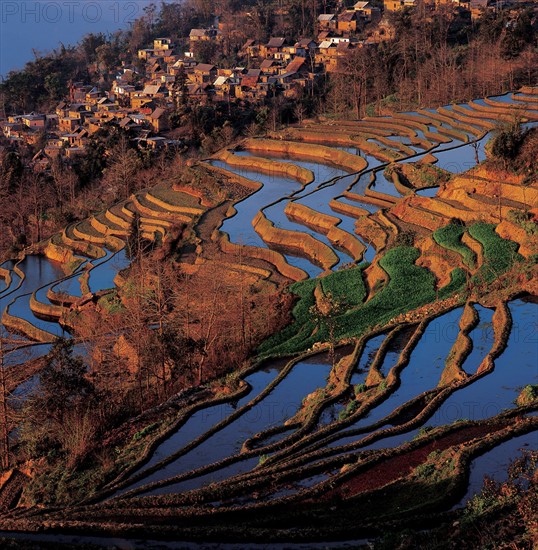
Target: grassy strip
[450, 237]
[409, 287]
[458, 279]
[499, 254]
[346, 285]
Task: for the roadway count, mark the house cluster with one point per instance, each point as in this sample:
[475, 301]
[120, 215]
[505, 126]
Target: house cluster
[143, 97]
[65, 133]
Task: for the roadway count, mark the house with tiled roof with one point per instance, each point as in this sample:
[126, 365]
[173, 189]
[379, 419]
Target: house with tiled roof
[327, 21]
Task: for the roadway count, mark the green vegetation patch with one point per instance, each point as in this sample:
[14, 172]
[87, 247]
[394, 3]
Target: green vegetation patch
[458, 279]
[525, 220]
[499, 254]
[346, 286]
[409, 286]
[449, 237]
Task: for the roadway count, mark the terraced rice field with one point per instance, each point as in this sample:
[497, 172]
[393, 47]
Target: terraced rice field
[303, 434]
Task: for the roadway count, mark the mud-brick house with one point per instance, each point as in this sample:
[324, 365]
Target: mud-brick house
[93, 96]
[62, 108]
[81, 137]
[197, 93]
[123, 89]
[68, 124]
[396, 5]
[251, 48]
[348, 23]
[154, 91]
[327, 22]
[248, 87]
[10, 128]
[203, 73]
[40, 162]
[79, 111]
[223, 87]
[145, 54]
[107, 104]
[140, 102]
[274, 48]
[270, 66]
[34, 121]
[159, 120]
[304, 48]
[127, 123]
[54, 149]
[163, 44]
[326, 55]
[367, 12]
[78, 91]
[185, 64]
[203, 35]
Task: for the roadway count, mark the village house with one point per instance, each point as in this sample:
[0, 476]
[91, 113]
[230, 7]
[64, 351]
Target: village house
[270, 66]
[106, 104]
[249, 85]
[11, 129]
[396, 5]
[139, 102]
[40, 162]
[203, 73]
[78, 91]
[159, 120]
[163, 44]
[224, 87]
[154, 91]
[93, 96]
[367, 12]
[34, 121]
[347, 23]
[327, 22]
[304, 48]
[273, 49]
[203, 35]
[54, 148]
[68, 124]
[251, 49]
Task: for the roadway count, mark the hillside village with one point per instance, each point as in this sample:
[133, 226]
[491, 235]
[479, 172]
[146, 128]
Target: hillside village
[144, 96]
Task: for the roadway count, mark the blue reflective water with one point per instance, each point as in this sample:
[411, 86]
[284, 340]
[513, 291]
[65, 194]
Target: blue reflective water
[279, 405]
[322, 172]
[423, 372]
[103, 274]
[39, 271]
[382, 184]
[428, 192]
[482, 336]
[495, 463]
[239, 227]
[277, 215]
[204, 419]
[515, 368]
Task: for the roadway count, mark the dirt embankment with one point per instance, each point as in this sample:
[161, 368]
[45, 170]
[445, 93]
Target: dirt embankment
[320, 153]
[326, 225]
[287, 239]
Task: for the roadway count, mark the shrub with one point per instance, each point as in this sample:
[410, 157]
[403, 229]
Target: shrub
[507, 141]
[525, 220]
